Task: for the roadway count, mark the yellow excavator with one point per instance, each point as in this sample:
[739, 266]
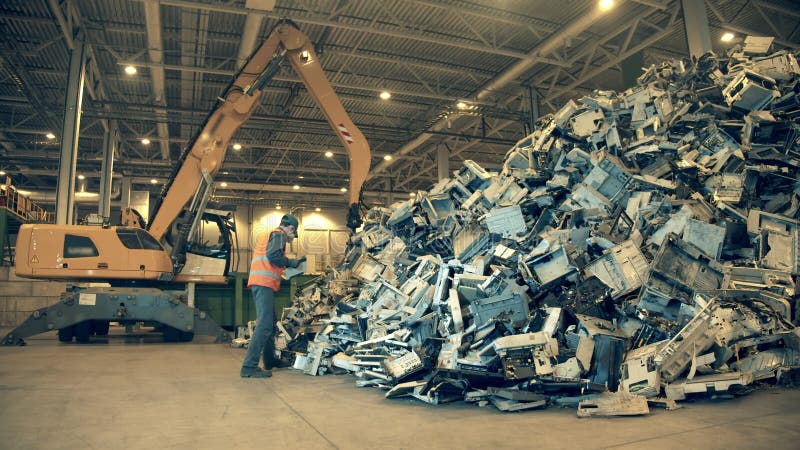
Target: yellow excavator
[138, 259]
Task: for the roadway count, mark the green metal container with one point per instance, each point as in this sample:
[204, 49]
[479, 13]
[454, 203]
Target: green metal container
[232, 306]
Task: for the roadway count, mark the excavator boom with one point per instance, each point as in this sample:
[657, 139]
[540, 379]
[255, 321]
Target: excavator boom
[205, 154]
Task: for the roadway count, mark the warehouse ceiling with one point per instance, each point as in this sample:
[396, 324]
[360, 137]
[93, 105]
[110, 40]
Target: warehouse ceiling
[466, 78]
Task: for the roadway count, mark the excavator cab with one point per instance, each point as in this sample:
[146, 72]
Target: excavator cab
[213, 238]
[90, 253]
[209, 250]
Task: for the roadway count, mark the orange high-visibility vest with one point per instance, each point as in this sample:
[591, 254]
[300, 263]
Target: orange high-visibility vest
[263, 272]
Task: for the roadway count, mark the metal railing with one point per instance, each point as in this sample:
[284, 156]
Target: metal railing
[21, 206]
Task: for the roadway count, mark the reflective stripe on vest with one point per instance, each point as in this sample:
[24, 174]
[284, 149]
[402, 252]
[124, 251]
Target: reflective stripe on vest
[266, 274]
[262, 271]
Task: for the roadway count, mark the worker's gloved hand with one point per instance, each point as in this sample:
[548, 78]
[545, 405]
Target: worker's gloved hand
[296, 262]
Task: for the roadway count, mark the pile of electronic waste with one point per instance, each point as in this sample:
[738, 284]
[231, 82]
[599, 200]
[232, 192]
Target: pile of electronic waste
[637, 247]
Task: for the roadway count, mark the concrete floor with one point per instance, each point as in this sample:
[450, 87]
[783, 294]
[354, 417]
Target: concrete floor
[135, 392]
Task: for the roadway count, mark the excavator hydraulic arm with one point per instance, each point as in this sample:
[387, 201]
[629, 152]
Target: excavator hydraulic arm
[206, 152]
[130, 254]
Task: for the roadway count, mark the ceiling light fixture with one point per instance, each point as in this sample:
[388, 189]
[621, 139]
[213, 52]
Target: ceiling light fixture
[343, 189]
[130, 70]
[223, 184]
[2, 173]
[81, 177]
[278, 207]
[296, 187]
[329, 154]
[727, 37]
[50, 136]
[387, 157]
[153, 181]
[317, 209]
[461, 105]
[145, 141]
[385, 95]
[412, 194]
[605, 5]
[301, 177]
[237, 146]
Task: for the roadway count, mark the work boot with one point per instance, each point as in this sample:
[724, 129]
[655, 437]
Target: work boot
[254, 372]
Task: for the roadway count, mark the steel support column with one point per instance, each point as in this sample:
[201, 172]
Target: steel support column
[65, 196]
[695, 20]
[110, 142]
[632, 69]
[443, 162]
[533, 98]
[190, 294]
[125, 197]
[389, 192]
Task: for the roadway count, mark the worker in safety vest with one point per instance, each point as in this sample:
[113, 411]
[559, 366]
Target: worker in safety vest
[266, 268]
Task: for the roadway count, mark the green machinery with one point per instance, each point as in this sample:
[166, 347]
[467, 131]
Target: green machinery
[231, 306]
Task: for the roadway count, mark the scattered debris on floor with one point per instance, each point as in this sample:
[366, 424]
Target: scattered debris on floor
[243, 335]
[637, 246]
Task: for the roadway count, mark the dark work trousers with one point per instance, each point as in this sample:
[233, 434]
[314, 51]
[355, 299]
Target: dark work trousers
[263, 340]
